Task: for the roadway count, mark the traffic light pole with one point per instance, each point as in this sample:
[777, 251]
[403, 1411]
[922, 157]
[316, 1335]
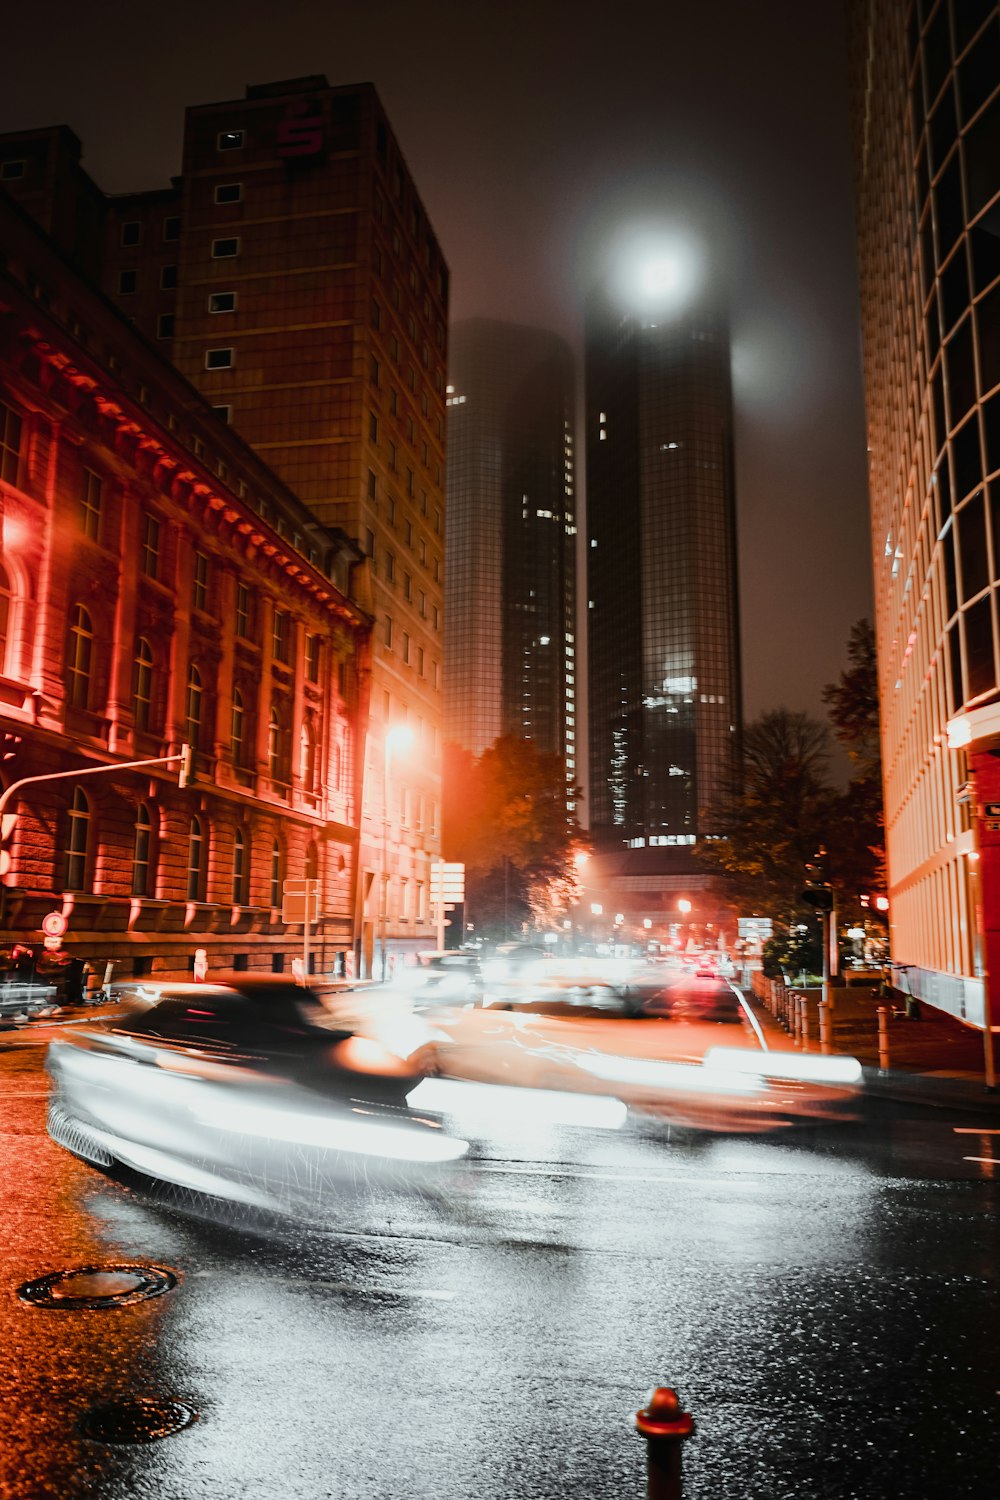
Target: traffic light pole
[182, 755]
[827, 919]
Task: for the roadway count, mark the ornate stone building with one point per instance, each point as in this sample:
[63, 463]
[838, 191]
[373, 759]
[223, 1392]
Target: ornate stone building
[160, 586]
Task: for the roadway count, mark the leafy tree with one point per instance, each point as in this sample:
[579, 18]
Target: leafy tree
[506, 820]
[854, 713]
[776, 816]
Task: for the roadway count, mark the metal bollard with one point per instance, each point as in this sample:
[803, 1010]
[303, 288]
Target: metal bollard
[804, 1022]
[664, 1426]
[883, 1039]
[795, 1018]
[825, 1027]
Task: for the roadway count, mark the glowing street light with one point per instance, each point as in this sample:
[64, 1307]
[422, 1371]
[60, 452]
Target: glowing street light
[684, 905]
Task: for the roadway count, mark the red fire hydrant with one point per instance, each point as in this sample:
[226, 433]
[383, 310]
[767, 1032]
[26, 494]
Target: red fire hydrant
[664, 1426]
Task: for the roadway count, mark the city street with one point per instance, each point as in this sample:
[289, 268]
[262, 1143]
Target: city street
[824, 1299]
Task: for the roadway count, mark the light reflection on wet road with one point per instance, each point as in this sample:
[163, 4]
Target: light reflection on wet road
[824, 1300]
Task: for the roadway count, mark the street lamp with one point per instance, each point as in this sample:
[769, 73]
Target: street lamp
[400, 735]
[684, 905]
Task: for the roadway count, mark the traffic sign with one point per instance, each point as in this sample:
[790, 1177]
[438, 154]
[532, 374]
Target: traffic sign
[447, 882]
[51, 942]
[54, 925]
[300, 901]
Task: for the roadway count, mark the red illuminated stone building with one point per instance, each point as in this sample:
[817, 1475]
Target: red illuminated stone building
[159, 585]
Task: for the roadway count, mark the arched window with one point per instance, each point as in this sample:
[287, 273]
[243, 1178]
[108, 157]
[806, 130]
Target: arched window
[196, 860]
[142, 683]
[237, 728]
[81, 645]
[6, 617]
[307, 756]
[276, 873]
[241, 868]
[141, 848]
[193, 707]
[77, 842]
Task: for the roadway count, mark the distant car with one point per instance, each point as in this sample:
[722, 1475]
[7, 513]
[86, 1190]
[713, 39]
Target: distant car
[706, 968]
[450, 977]
[249, 1090]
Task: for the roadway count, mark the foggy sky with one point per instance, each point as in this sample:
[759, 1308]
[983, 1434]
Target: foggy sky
[530, 127]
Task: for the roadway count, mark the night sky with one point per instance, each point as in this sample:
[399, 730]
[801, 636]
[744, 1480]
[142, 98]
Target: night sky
[532, 128]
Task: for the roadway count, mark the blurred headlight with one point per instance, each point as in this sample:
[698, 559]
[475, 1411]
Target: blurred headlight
[422, 1143]
[502, 1104]
[809, 1069]
[669, 1076]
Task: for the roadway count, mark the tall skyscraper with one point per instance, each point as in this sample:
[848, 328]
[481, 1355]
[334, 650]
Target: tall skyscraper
[663, 639]
[510, 634]
[292, 274]
[926, 122]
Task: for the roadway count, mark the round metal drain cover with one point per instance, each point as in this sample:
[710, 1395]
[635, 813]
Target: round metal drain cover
[98, 1286]
[135, 1419]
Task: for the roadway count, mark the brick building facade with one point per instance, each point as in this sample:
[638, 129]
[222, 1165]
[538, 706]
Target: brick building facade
[160, 586]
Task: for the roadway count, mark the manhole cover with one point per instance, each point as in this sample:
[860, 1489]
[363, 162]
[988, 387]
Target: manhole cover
[98, 1286]
[135, 1419]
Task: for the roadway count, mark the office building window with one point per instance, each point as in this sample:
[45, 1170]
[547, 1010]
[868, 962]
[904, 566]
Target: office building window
[127, 282]
[172, 227]
[10, 444]
[90, 505]
[10, 171]
[81, 645]
[195, 860]
[281, 636]
[77, 842]
[218, 359]
[276, 873]
[229, 192]
[150, 560]
[222, 302]
[225, 249]
[243, 611]
[237, 727]
[312, 658]
[229, 140]
[193, 707]
[241, 868]
[165, 326]
[168, 278]
[142, 683]
[141, 845]
[131, 233]
[199, 591]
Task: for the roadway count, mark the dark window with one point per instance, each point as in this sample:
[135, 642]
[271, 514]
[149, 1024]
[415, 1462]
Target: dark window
[943, 127]
[77, 842]
[975, 572]
[193, 707]
[150, 560]
[979, 659]
[948, 564]
[955, 662]
[276, 873]
[172, 228]
[229, 192]
[243, 611]
[11, 170]
[241, 869]
[127, 282]
[966, 461]
[281, 636]
[165, 326]
[222, 302]
[979, 71]
[168, 278]
[991, 422]
[195, 860]
[10, 444]
[954, 289]
[237, 728]
[961, 373]
[81, 645]
[218, 359]
[90, 505]
[985, 255]
[224, 249]
[988, 324]
[312, 658]
[199, 582]
[981, 145]
[142, 841]
[229, 140]
[142, 683]
[131, 233]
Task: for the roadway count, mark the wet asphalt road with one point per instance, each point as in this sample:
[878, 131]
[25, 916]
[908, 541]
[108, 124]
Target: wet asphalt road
[824, 1300]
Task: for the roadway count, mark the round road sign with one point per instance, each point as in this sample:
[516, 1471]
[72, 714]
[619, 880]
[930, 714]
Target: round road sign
[55, 924]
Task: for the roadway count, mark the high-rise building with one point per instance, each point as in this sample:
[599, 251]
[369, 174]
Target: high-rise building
[926, 123]
[510, 634]
[663, 638]
[292, 274]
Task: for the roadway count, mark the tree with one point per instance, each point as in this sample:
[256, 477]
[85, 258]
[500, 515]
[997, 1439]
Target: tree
[506, 819]
[776, 816]
[854, 713]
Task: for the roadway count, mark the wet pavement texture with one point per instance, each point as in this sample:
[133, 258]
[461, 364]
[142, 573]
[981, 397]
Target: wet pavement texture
[824, 1300]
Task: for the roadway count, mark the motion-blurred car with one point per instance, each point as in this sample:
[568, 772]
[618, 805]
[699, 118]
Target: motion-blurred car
[443, 978]
[250, 1090]
[706, 967]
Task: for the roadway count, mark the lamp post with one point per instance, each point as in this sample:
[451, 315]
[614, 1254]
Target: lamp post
[399, 735]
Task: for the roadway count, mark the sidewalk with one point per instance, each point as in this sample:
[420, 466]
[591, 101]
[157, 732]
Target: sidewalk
[935, 1061]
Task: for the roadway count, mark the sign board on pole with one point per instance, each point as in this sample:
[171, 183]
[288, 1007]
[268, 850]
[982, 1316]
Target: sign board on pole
[54, 925]
[300, 901]
[757, 929]
[447, 883]
[52, 944]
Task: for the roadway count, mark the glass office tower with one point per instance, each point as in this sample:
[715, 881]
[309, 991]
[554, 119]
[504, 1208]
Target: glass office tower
[926, 121]
[664, 671]
[510, 634]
